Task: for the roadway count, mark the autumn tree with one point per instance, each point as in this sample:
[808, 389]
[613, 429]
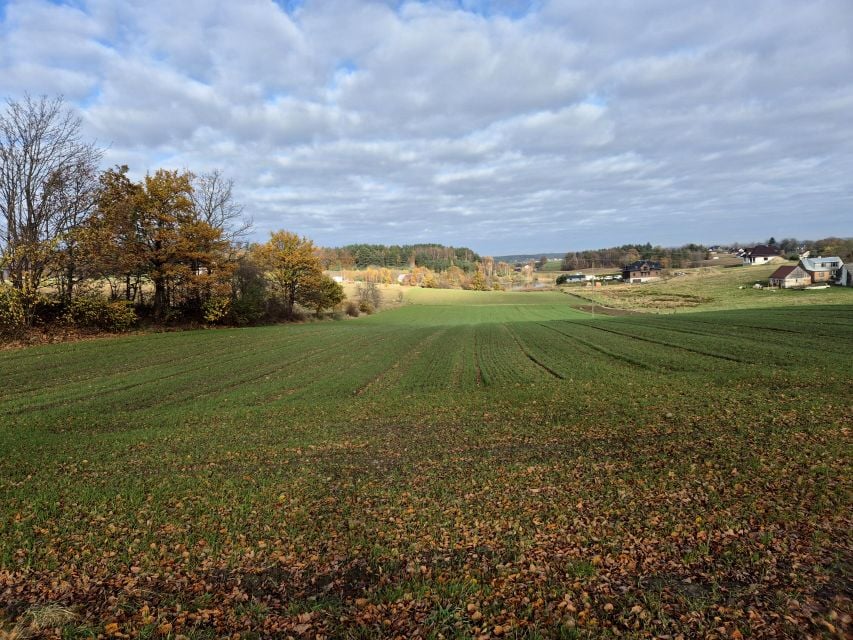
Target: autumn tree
[488, 267]
[111, 242]
[319, 292]
[47, 175]
[289, 262]
[153, 230]
[478, 282]
[369, 296]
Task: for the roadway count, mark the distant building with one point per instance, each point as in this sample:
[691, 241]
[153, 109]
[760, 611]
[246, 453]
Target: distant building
[844, 277]
[821, 269]
[790, 276]
[642, 271]
[759, 254]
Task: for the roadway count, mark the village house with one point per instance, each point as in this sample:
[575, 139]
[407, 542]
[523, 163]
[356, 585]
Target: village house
[641, 271]
[845, 276]
[790, 276]
[759, 254]
[821, 269]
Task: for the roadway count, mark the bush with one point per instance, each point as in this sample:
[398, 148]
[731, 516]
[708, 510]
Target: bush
[12, 318]
[369, 296]
[352, 309]
[247, 309]
[94, 312]
[216, 309]
[249, 301]
[47, 310]
[296, 315]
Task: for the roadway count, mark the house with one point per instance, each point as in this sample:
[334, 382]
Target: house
[759, 254]
[641, 271]
[845, 276]
[821, 269]
[790, 276]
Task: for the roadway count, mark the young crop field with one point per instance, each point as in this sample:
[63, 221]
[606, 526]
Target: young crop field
[469, 464]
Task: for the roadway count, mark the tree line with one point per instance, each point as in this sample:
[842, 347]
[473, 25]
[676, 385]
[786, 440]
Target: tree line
[435, 257]
[831, 246]
[688, 255]
[692, 255]
[99, 248]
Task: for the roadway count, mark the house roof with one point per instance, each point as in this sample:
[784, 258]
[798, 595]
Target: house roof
[816, 264]
[762, 250]
[782, 272]
[639, 264]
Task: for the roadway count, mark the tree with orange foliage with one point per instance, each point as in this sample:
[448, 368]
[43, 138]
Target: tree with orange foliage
[152, 230]
[289, 262]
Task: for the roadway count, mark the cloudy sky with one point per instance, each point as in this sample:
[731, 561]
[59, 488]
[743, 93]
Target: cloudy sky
[507, 126]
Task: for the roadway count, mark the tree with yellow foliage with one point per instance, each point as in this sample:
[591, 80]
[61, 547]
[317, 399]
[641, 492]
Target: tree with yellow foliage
[289, 262]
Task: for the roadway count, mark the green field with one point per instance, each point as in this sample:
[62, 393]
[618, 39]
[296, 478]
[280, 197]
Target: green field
[468, 464]
[710, 289]
[551, 266]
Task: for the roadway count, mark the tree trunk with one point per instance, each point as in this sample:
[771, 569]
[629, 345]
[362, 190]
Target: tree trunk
[69, 274]
[290, 301]
[160, 299]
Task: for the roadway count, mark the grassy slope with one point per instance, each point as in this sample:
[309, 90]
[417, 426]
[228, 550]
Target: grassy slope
[712, 288]
[562, 476]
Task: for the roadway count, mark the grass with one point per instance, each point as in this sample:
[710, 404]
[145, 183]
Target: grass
[464, 462]
[551, 266]
[711, 289]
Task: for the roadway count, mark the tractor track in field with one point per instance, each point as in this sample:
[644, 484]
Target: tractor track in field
[534, 359]
[670, 345]
[161, 363]
[589, 345]
[477, 361]
[402, 364]
[244, 381]
[109, 391]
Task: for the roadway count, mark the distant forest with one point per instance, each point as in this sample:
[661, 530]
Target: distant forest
[435, 257]
[689, 255]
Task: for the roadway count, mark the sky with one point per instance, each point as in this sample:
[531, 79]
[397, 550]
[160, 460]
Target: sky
[507, 126]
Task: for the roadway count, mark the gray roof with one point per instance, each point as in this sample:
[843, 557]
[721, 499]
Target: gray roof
[817, 264]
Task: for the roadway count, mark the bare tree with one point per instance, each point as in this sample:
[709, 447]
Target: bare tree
[78, 197]
[47, 184]
[214, 203]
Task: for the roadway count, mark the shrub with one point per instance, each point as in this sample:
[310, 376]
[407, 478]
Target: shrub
[247, 310]
[216, 309]
[352, 309]
[12, 317]
[369, 296]
[94, 312]
[249, 301]
[46, 310]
